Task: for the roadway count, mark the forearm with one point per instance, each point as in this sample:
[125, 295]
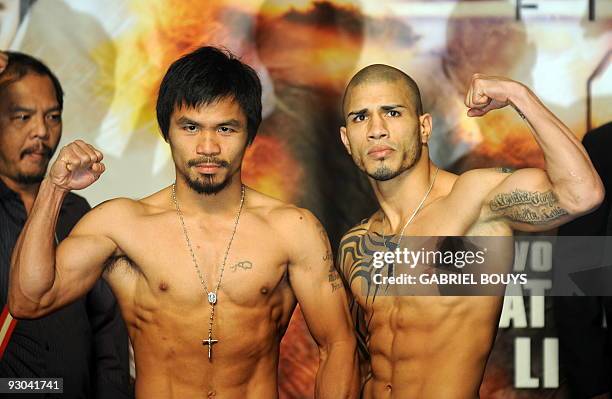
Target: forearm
[568, 165]
[33, 261]
[338, 374]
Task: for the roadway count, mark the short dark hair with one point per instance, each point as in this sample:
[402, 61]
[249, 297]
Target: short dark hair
[204, 76]
[20, 64]
[384, 73]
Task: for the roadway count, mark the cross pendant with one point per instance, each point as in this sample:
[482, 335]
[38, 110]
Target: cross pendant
[210, 343]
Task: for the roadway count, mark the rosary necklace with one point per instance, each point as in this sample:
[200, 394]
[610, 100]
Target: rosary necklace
[211, 295]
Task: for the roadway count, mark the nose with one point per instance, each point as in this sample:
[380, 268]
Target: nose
[377, 129]
[208, 144]
[40, 129]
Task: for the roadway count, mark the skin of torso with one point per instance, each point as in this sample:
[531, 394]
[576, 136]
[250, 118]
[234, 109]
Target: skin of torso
[431, 346]
[163, 302]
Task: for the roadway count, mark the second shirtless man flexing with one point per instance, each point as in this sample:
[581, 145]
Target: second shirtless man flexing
[437, 347]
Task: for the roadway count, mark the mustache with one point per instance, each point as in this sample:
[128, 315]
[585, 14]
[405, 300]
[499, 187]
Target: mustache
[208, 160]
[46, 151]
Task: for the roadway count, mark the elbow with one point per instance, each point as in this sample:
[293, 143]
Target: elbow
[20, 310]
[595, 196]
[589, 199]
[345, 346]
[17, 311]
[599, 196]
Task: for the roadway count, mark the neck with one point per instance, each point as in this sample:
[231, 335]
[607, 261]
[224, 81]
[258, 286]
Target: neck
[27, 192]
[225, 201]
[400, 196]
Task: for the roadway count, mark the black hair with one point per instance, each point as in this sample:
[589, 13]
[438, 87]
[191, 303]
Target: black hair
[20, 64]
[204, 76]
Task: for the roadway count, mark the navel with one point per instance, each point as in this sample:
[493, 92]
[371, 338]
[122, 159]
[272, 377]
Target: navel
[263, 290]
[163, 286]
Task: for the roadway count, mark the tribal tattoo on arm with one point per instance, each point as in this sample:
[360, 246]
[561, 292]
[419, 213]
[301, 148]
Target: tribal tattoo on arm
[531, 207]
[355, 264]
[348, 252]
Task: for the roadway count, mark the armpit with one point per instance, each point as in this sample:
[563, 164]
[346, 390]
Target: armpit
[120, 262]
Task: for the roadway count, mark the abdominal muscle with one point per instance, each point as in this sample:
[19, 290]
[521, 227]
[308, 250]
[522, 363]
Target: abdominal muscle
[172, 362]
[429, 347]
[190, 376]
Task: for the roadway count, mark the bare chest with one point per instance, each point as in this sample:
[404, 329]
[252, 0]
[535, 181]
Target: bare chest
[165, 268]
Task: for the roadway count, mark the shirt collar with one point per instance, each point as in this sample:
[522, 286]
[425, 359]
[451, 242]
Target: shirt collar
[6, 192]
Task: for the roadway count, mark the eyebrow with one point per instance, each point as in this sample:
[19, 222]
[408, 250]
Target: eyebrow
[17, 108]
[391, 107]
[54, 109]
[360, 112]
[184, 120]
[383, 107]
[230, 122]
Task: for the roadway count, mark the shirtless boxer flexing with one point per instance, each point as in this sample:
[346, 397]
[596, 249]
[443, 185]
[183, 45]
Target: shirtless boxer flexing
[207, 271]
[437, 347]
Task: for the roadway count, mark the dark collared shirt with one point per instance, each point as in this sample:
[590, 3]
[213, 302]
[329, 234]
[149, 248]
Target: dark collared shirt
[85, 343]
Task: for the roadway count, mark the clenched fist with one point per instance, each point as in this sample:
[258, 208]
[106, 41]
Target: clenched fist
[78, 165]
[490, 92]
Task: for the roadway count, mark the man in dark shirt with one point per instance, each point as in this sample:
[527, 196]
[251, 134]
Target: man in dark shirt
[585, 345]
[86, 342]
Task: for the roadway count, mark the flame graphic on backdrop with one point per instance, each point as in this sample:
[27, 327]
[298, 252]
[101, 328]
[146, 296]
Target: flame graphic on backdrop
[296, 52]
[160, 34]
[507, 141]
[268, 167]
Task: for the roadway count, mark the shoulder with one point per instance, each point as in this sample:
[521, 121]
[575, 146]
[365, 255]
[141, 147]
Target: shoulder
[123, 211]
[284, 217]
[128, 207]
[296, 229]
[352, 245]
[116, 206]
[106, 216]
[483, 177]
[355, 233]
[479, 182]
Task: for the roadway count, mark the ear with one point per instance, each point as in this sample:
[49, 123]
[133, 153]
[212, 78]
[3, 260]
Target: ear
[425, 128]
[345, 139]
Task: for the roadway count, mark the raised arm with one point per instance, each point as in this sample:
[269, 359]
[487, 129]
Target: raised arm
[322, 298]
[43, 278]
[533, 199]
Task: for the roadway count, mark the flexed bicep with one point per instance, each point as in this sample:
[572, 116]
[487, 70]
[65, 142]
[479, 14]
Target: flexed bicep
[43, 281]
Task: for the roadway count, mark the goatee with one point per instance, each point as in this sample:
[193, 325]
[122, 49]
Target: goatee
[207, 186]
